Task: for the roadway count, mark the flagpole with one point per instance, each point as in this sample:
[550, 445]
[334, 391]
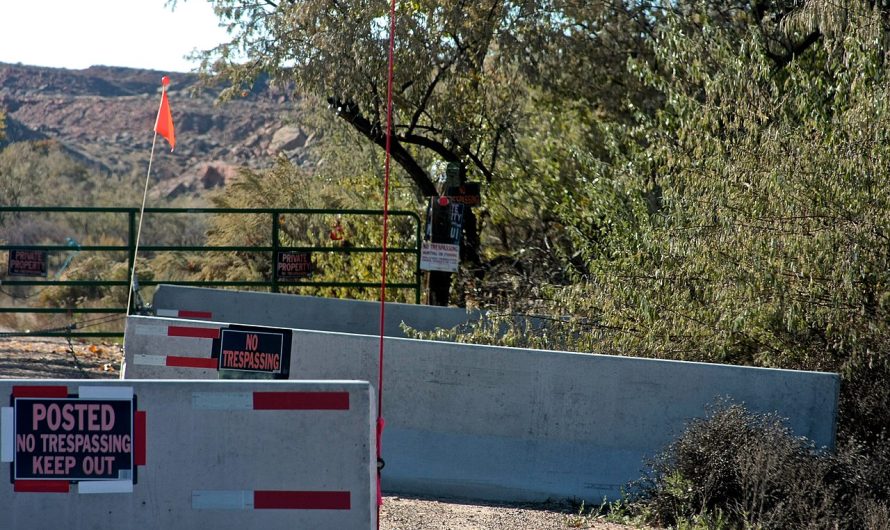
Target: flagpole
[139, 229]
[167, 131]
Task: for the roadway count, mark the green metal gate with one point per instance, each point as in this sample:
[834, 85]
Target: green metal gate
[268, 244]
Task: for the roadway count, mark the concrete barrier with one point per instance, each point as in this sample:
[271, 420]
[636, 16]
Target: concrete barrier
[162, 455]
[302, 312]
[511, 424]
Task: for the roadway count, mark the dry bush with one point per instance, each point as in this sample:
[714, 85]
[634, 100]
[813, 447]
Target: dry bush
[747, 470]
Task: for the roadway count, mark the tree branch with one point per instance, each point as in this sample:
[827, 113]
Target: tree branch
[795, 50]
[421, 107]
[478, 163]
[350, 113]
[431, 144]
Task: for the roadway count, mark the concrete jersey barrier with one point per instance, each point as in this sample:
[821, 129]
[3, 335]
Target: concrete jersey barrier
[510, 424]
[182, 455]
[302, 312]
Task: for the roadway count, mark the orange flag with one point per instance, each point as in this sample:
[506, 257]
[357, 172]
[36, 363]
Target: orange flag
[164, 123]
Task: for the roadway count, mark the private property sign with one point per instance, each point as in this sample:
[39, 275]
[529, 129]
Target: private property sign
[294, 265]
[61, 438]
[27, 263]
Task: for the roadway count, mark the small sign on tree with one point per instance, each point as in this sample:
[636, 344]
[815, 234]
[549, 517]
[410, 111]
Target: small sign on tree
[441, 249]
[468, 194]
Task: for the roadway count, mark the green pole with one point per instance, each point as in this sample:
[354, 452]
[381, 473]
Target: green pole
[131, 253]
[276, 243]
[418, 238]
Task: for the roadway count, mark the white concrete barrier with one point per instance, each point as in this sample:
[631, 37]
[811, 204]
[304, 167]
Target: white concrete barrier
[168, 455]
[504, 423]
[302, 312]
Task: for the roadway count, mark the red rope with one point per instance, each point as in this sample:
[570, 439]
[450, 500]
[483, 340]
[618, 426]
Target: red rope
[389, 83]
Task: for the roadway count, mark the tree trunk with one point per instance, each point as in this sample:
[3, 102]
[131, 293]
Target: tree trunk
[440, 288]
[439, 282]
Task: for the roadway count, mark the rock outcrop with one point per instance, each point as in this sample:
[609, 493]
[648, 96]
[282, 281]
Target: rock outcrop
[104, 116]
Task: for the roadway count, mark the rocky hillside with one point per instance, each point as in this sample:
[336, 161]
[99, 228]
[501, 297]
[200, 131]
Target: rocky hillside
[105, 117]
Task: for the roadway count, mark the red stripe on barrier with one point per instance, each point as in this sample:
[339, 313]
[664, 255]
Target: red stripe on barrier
[301, 401]
[301, 500]
[21, 391]
[41, 486]
[139, 421]
[192, 362]
[195, 314]
[196, 333]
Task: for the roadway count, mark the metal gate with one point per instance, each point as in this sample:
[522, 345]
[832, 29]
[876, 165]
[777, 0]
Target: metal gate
[273, 227]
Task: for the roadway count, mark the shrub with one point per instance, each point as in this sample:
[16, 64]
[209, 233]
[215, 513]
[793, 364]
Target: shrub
[739, 469]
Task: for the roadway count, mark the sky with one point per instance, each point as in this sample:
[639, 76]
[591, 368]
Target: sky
[81, 33]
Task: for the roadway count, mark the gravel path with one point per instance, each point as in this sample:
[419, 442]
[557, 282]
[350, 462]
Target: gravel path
[51, 358]
[409, 513]
[56, 358]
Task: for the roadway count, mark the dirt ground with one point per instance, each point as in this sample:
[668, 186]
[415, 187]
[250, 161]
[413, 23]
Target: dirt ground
[52, 358]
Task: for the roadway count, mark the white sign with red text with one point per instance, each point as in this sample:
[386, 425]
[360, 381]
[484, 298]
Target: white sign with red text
[439, 257]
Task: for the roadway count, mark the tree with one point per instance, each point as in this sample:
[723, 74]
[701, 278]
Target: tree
[447, 106]
[475, 84]
[745, 221]
[463, 72]
[752, 217]
[768, 247]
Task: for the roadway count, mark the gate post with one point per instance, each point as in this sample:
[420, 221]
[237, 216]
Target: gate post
[276, 243]
[418, 275]
[131, 256]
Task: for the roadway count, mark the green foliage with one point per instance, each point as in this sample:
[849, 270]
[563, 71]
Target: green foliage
[475, 84]
[288, 186]
[767, 244]
[455, 96]
[745, 221]
[43, 174]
